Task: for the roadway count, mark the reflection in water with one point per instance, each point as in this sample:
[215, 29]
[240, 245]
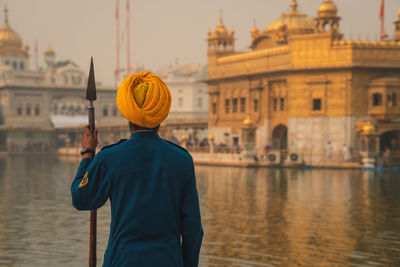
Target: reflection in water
[251, 217]
[281, 217]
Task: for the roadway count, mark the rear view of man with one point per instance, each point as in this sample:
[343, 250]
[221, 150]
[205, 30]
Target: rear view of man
[155, 214]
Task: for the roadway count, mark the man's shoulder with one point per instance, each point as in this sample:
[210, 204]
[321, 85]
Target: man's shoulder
[177, 146]
[177, 149]
[115, 145]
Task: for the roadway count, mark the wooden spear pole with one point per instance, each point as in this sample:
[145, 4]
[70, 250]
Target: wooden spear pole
[91, 96]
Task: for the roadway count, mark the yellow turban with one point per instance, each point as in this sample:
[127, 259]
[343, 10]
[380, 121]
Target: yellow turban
[144, 99]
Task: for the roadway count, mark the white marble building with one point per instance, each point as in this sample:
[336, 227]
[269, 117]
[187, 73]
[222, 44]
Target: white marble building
[189, 109]
[37, 107]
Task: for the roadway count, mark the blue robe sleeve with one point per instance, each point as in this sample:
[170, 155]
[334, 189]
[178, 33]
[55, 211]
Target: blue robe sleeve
[192, 231]
[91, 186]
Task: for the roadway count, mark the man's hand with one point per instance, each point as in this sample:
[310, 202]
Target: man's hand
[89, 140]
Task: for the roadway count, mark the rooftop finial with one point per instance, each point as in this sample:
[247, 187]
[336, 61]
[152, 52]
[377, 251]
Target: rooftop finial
[5, 14]
[255, 23]
[294, 5]
[220, 16]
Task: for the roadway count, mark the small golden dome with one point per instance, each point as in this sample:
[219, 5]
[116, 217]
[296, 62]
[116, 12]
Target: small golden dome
[49, 50]
[294, 5]
[295, 22]
[8, 37]
[369, 128]
[183, 138]
[220, 30]
[248, 121]
[327, 9]
[211, 137]
[254, 30]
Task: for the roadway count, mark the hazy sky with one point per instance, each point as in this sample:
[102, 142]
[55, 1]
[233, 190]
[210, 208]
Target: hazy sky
[163, 30]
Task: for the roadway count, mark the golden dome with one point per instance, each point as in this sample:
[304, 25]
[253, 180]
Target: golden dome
[220, 30]
[10, 41]
[327, 9]
[8, 37]
[248, 121]
[49, 50]
[254, 31]
[295, 22]
[369, 128]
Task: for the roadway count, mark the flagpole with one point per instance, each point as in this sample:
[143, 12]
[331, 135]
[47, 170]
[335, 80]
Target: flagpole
[382, 17]
[118, 44]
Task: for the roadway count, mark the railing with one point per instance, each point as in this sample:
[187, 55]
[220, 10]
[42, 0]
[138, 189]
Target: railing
[199, 149]
[387, 159]
[187, 116]
[217, 149]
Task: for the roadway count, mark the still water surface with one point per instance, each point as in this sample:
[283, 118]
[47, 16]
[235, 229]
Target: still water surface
[264, 217]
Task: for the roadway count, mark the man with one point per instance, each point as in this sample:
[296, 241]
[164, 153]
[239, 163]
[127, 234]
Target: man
[155, 215]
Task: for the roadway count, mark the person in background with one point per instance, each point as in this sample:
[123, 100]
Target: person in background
[151, 184]
[267, 148]
[346, 153]
[329, 151]
[386, 155]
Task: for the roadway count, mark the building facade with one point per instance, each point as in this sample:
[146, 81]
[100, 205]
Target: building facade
[41, 110]
[305, 86]
[188, 117]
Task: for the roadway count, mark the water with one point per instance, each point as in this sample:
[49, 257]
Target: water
[265, 217]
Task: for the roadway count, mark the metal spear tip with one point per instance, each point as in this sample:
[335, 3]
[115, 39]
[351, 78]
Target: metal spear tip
[91, 85]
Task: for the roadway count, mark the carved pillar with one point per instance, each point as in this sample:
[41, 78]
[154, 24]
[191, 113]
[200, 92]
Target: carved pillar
[369, 145]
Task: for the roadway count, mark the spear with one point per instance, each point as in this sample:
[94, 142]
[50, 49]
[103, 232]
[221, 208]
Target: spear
[91, 96]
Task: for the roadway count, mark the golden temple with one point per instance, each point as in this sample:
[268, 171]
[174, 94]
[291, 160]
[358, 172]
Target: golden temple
[304, 85]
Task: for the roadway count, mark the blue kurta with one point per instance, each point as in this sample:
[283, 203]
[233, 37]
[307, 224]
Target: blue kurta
[155, 214]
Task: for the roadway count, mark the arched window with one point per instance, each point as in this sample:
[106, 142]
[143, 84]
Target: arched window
[21, 65]
[105, 111]
[14, 64]
[55, 109]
